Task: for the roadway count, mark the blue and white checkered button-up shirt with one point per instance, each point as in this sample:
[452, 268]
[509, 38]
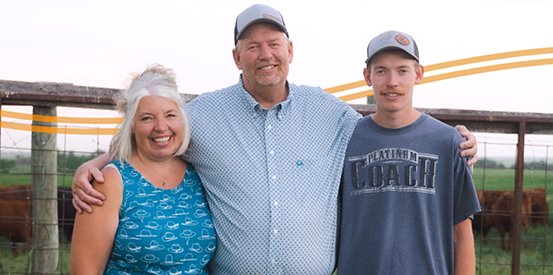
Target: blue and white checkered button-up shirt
[271, 177]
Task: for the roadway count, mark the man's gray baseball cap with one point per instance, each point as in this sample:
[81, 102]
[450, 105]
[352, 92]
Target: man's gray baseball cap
[257, 14]
[392, 40]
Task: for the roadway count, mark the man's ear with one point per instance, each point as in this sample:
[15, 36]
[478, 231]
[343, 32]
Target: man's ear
[367, 76]
[236, 57]
[420, 73]
[290, 51]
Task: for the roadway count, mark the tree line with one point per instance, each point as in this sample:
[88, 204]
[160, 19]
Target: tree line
[67, 162]
[534, 165]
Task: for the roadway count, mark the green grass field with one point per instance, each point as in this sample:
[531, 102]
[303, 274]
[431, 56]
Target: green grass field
[537, 242]
[503, 179]
[9, 179]
[22, 263]
[536, 256]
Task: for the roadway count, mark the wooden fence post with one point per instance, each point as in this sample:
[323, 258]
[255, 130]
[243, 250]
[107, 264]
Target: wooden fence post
[45, 186]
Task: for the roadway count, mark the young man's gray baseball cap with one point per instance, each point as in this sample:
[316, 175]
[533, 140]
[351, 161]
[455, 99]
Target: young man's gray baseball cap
[257, 13]
[391, 40]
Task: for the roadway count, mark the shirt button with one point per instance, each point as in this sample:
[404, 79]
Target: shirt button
[273, 261]
[272, 152]
[275, 231]
[273, 177]
[269, 127]
[275, 203]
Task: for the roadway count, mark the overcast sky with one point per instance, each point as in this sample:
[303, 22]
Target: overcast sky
[98, 43]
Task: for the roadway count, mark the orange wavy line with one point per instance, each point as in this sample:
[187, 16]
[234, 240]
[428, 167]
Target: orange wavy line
[58, 130]
[439, 77]
[456, 74]
[60, 119]
[449, 64]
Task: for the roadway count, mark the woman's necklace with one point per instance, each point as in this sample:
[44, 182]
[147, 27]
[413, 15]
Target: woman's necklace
[162, 179]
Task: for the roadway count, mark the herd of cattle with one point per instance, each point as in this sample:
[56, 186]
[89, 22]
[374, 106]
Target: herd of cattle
[16, 213]
[497, 211]
[498, 208]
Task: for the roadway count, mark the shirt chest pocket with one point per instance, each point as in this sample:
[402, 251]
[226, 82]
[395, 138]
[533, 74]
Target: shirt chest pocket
[310, 176]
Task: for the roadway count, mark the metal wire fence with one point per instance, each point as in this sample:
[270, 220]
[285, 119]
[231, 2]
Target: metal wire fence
[493, 227]
[494, 179]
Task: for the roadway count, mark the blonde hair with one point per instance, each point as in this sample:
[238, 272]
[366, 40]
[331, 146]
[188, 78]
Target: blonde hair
[155, 80]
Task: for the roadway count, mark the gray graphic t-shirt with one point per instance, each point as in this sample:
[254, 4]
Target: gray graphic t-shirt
[403, 191]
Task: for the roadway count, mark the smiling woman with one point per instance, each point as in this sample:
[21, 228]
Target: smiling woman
[145, 184]
[138, 104]
[158, 131]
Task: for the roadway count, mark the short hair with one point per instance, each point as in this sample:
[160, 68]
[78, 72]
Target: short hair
[156, 80]
[394, 51]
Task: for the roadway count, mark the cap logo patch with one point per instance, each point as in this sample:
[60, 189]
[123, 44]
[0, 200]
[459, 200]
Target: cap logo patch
[266, 15]
[402, 39]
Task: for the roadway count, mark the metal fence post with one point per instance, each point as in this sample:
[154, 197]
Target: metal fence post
[519, 179]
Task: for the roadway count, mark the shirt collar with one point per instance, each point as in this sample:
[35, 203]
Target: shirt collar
[281, 109]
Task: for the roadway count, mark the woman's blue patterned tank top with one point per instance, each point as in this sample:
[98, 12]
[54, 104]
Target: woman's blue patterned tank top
[161, 231]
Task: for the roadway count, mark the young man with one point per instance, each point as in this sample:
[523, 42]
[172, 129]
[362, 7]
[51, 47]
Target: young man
[407, 194]
[269, 154]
